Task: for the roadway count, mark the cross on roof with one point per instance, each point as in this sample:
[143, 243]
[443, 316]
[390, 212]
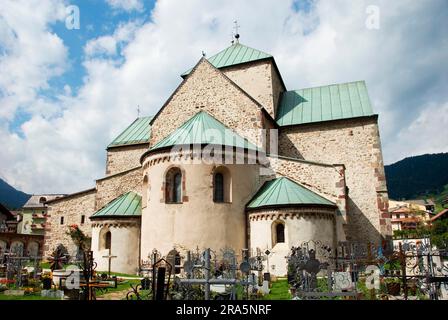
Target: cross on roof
[235, 28]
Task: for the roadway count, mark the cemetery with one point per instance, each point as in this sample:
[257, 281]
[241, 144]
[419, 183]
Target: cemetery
[406, 270]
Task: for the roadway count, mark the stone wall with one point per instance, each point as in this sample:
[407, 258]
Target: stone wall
[324, 179]
[277, 88]
[208, 89]
[111, 187]
[72, 208]
[260, 80]
[123, 158]
[356, 144]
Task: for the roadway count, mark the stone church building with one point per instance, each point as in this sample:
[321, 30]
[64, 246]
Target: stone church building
[235, 159]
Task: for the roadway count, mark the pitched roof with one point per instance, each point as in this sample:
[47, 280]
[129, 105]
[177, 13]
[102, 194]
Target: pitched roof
[40, 200]
[284, 192]
[237, 53]
[333, 102]
[202, 129]
[439, 215]
[138, 132]
[126, 205]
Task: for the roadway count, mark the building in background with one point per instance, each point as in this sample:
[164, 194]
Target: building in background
[34, 214]
[12, 241]
[407, 215]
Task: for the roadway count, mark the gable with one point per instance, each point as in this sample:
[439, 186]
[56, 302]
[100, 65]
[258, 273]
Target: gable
[236, 54]
[196, 131]
[208, 89]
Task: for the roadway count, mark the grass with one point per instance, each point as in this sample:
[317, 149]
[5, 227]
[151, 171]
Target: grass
[125, 285]
[26, 297]
[118, 274]
[279, 291]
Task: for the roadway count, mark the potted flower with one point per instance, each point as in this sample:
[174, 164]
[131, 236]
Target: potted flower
[46, 281]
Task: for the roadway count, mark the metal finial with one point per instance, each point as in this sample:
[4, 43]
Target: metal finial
[138, 111]
[236, 27]
[203, 54]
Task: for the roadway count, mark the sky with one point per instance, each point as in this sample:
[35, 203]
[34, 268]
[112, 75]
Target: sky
[66, 92]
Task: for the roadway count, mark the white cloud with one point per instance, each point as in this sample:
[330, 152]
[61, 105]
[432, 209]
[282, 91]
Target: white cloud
[62, 147]
[33, 54]
[108, 45]
[426, 134]
[126, 5]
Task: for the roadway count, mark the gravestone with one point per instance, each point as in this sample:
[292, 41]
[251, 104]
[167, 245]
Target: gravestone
[14, 292]
[58, 294]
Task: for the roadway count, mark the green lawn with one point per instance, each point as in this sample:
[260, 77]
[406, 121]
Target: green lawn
[279, 291]
[118, 274]
[125, 285]
[27, 297]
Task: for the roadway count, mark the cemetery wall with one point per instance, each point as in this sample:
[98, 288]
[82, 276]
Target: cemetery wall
[123, 158]
[356, 144]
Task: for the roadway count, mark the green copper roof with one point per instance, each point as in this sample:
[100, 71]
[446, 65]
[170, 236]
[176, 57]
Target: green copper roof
[235, 54]
[202, 129]
[126, 205]
[338, 101]
[283, 192]
[137, 132]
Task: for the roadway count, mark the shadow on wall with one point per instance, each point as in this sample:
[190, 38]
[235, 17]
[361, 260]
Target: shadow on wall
[287, 148]
[359, 226]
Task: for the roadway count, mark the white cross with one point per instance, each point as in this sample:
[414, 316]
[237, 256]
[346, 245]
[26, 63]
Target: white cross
[109, 257]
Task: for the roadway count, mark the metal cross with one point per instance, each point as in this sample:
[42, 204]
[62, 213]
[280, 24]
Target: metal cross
[236, 26]
[109, 257]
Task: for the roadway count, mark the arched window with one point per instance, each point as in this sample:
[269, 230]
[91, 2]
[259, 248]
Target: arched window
[173, 186]
[218, 192]
[177, 188]
[280, 233]
[108, 240]
[222, 185]
[42, 199]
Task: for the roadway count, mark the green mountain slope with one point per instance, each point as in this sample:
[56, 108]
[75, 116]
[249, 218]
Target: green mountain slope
[10, 197]
[418, 176]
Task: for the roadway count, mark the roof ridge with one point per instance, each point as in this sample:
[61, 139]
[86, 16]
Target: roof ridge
[327, 85]
[293, 193]
[190, 127]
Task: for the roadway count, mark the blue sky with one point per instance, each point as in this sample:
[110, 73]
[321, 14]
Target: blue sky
[96, 19]
[65, 94]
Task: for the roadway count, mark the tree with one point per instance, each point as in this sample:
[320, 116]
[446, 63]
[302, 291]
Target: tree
[439, 233]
